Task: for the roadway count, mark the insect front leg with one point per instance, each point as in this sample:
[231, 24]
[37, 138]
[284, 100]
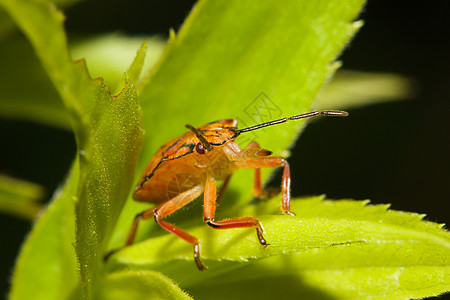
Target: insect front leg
[270, 162]
[209, 209]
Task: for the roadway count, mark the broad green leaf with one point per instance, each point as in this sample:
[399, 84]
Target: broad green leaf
[284, 275]
[19, 198]
[254, 54]
[47, 265]
[138, 286]
[346, 249]
[108, 133]
[253, 61]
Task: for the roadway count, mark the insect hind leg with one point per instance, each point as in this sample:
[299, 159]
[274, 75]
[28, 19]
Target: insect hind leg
[146, 214]
[173, 205]
[163, 210]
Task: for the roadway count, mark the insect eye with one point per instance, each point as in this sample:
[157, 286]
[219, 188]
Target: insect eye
[199, 148]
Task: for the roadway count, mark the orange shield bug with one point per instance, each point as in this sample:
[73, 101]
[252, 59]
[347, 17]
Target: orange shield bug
[189, 165]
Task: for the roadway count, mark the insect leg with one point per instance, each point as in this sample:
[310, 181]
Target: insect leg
[223, 188]
[270, 162]
[209, 209]
[257, 185]
[146, 214]
[173, 205]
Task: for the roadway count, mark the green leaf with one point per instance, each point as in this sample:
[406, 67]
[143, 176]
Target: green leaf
[247, 60]
[19, 198]
[107, 56]
[351, 89]
[284, 50]
[229, 60]
[21, 103]
[138, 286]
[7, 26]
[47, 264]
[108, 133]
[346, 249]
[108, 160]
[283, 275]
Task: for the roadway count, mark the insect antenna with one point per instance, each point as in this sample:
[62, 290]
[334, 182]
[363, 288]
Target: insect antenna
[202, 139]
[331, 113]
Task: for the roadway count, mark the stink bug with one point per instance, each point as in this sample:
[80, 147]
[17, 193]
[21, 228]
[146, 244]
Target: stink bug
[189, 165]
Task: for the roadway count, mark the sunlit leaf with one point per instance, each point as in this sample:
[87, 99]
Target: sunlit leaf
[345, 249]
[256, 62]
[138, 286]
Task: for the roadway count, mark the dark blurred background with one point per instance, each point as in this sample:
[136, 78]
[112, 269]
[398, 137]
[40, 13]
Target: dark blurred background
[396, 152]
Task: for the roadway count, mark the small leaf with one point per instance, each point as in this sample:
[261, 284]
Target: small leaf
[19, 198]
[108, 55]
[135, 69]
[139, 285]
[352, 89]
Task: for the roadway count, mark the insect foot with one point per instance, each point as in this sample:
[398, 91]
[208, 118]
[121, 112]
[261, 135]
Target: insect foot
[259, 232]
[198, 262]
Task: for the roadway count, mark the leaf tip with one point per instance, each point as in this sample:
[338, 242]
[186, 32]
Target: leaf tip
[172, 35]
[336, 65]
[358, 24]
[144, 45]
[421, 216]
[386, 206]
[442, 226]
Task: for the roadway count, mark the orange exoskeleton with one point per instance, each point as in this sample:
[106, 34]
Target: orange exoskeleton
[189, 165]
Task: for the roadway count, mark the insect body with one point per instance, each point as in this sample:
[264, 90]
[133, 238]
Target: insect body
[189, 165]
